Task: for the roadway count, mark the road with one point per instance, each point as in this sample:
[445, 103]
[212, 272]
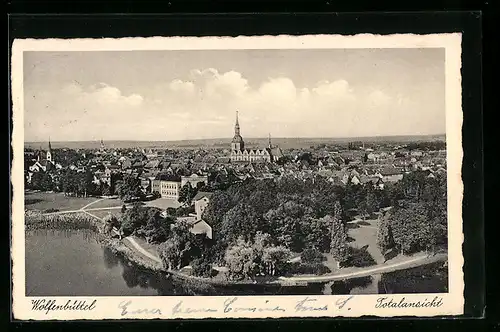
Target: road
[410, 262]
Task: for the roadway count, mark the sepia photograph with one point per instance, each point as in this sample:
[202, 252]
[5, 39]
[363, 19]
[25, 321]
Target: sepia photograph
[236, 172]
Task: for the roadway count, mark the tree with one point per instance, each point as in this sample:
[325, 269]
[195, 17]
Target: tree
[338, 243]
[110, 223]
[133, 218]
[385, 239]
[311, 256]
[129, 188]
[201, 268]
[219, 204]
[369, 203]
[176, 250]
[154, 228]
[261, 241]
[170, 254]
[124, 208]
[240, 260]
[241, 220]
[410, 227]
[186, 193]
[286, 221]
[275, 259]
[317, 233]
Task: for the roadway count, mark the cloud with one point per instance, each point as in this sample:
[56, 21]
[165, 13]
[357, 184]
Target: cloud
[100, 93]
[378, 98]
[203, 104]
[182, 87]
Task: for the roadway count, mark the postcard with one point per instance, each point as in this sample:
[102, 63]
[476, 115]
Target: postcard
[237, 177]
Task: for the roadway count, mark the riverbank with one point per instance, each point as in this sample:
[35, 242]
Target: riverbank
[130, 249]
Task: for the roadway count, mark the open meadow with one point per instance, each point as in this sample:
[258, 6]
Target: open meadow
[43, 201]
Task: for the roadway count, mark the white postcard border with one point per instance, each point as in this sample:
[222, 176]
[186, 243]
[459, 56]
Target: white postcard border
[451, 303]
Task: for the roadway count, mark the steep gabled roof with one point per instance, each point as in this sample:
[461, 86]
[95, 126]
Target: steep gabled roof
[202, 194]
[168, 177]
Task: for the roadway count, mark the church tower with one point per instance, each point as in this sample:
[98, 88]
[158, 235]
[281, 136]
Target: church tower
[102, 145]
[237, 142]
[50, 156]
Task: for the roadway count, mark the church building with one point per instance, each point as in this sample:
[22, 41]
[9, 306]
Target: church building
[241, 154]
[44, 161]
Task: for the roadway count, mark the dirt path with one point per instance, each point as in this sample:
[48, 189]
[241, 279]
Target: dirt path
[136, 245]
[406, 263]
[86, 206]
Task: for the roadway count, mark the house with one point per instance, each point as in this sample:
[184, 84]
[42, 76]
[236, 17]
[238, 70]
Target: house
[41, 165]
[198, 226]
[375, 180]
[355, 180]
[201, 227]
[168, 185]
[194, 179]
[201, 201]
[152, 164]
[390, 174]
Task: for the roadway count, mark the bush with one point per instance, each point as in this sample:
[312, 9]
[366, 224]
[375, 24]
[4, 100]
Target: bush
[201, 268]
[171, 211]
[302, 268]
[184, 211]
[359, 258]
[312, 256]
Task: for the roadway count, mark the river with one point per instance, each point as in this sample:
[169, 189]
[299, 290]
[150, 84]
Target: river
[74, 263]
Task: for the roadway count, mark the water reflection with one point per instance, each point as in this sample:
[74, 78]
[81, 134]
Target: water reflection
[432, 278]
[346, 287]
[73, 263]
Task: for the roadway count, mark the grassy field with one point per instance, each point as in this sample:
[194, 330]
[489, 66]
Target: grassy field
[364, 234]
[361, 234]
[105, 203]
[103, 213]
[45, 200]
[151, 248]
[163, 203]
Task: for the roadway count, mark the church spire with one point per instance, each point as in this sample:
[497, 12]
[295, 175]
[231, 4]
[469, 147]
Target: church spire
[50, 146]
[237, 126]
[270, 144]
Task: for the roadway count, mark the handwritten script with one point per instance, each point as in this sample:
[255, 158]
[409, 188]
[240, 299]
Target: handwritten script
[127, 309]
[235, 305]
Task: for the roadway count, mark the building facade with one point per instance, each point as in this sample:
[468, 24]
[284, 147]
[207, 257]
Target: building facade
[194, 179]
[201, 201]
[167, 185]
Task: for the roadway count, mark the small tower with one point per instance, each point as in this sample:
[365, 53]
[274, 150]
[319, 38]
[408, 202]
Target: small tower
[102, 145]
[270, 146]
[237, 143]
[49, 155]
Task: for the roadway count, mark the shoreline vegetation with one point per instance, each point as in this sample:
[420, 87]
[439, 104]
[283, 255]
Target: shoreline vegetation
[81, 221]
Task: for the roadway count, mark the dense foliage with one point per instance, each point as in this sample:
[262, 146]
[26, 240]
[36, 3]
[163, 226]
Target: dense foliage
[146, 222]
[246, 259]
[129, 188]
[418, 220]
[293, 212]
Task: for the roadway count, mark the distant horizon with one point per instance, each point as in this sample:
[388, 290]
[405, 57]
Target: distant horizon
[245, 138]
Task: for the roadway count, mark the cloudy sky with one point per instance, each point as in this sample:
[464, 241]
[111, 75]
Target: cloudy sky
[174, 95]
